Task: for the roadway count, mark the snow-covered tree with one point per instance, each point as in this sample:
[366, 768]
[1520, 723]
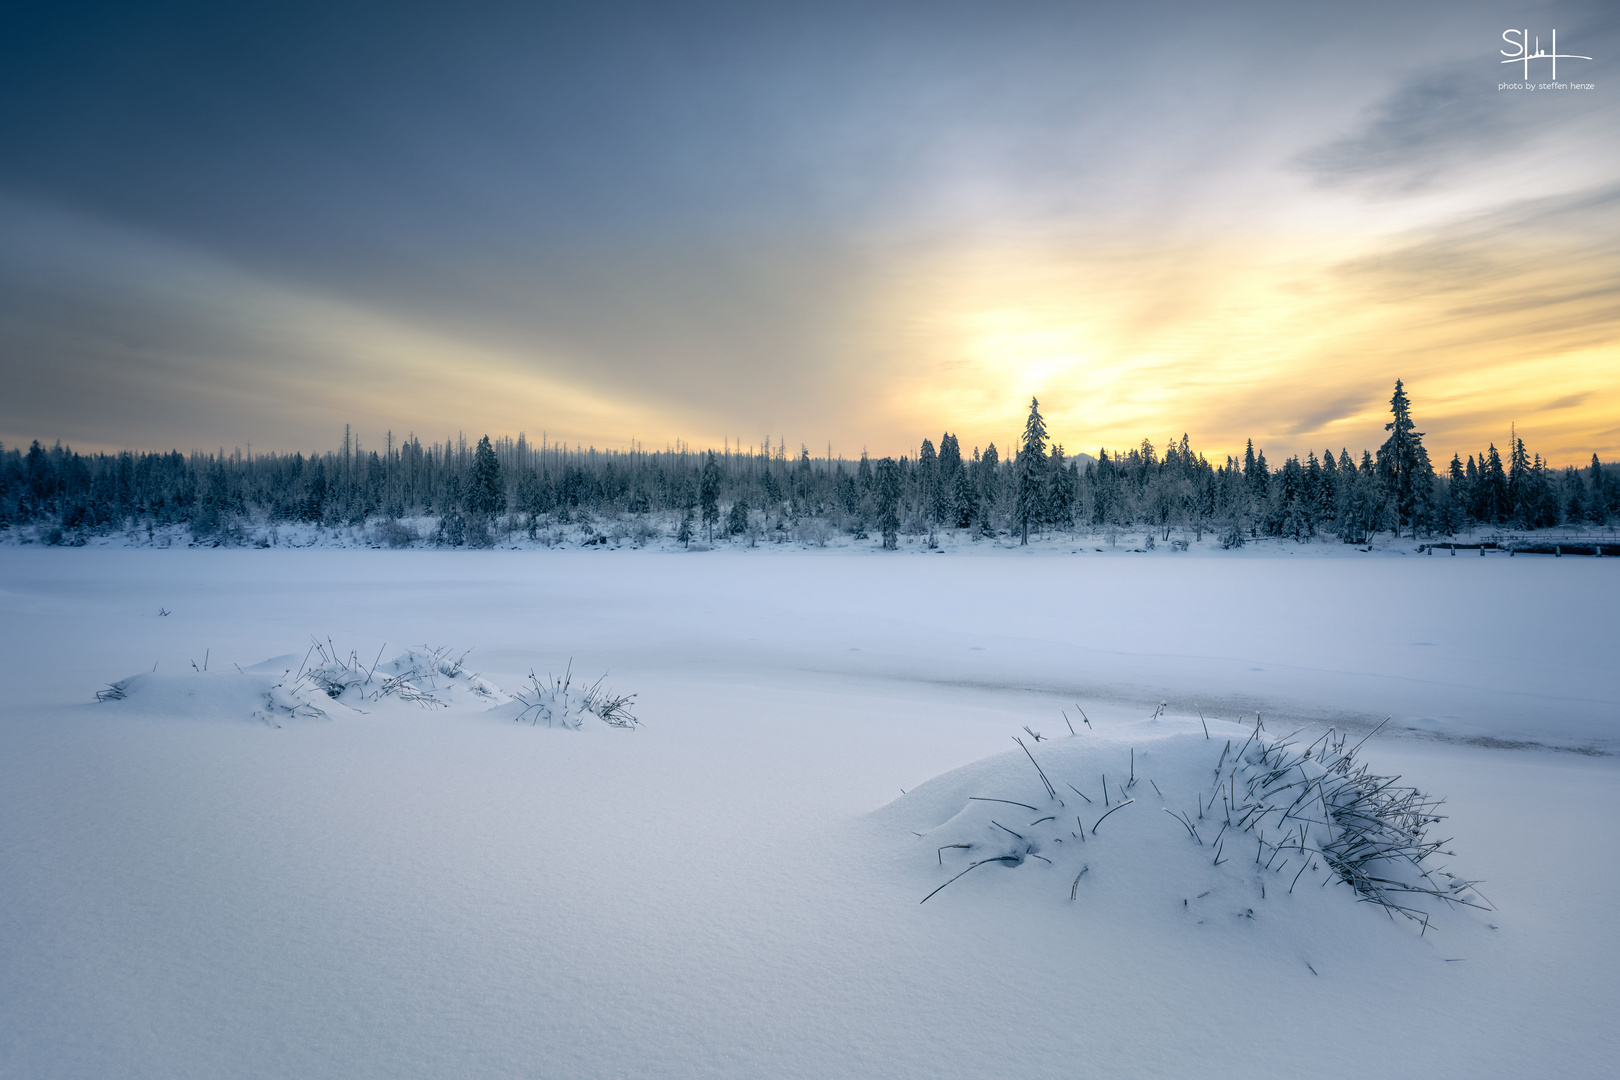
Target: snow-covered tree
[486, 492]
[1030, 508]
[1403, 465]
[888, 502]
[709, 494]
[988, 472]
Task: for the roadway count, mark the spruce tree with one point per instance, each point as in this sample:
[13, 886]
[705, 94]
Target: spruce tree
[1520, 497]
[1403, 464]
[486, 493]
[1031, 504]
[709, 494]
[1493, 488]
[1330, 487]
[1595, 496]
[888, 502]
[1574, 497]
[1317, 499]
[1471, 485]
[1256, 475]
[1290, 498]
[1543, 500]
[927, 475]
[803, 479]
[737, 521]
[949, 491]
[1060, 492]
[989, 485]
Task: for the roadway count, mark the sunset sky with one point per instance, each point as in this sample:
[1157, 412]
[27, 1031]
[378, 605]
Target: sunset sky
[858, 224]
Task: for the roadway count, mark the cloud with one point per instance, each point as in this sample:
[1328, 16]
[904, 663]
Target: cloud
[679, 226]
[1320, 417]
[1557, 255]
[113, 338]
[1430, 122]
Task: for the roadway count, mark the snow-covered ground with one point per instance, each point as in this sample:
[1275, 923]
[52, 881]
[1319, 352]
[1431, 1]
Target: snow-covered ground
[733, 888]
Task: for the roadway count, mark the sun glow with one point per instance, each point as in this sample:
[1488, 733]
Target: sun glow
[1294, 343]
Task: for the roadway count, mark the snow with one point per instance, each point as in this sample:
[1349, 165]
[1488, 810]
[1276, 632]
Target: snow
[1314, 810]
[732, 888]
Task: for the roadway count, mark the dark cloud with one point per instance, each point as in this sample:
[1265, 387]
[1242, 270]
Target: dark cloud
[1320, 417]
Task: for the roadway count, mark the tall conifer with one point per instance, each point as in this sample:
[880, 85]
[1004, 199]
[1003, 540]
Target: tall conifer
[1403, 464]
[486, 491]
[709, 494]
[1031, 506]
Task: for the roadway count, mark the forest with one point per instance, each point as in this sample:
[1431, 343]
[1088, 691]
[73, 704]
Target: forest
[409, 493]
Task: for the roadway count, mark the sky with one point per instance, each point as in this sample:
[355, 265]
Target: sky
[848, 225]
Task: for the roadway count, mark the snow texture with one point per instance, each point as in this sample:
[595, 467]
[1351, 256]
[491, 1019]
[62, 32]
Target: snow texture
[403, 889]
[328, 683]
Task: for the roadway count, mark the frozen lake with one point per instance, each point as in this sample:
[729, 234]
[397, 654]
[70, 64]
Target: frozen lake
[422, 894]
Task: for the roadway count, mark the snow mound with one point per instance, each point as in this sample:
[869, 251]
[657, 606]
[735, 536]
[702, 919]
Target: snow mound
[217, 695]
[325, 681]
[433, 678]
[1218, 828]
[559, 703]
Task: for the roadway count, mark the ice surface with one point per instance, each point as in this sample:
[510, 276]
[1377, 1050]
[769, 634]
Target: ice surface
[732, 889]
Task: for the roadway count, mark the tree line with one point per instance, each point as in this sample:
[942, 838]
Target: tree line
[451, 494]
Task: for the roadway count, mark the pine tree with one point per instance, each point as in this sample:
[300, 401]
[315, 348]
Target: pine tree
[1596, 503]
[1330, 487]
[1493, 488]
[1457, 482]
[709, 494]
[1542, 500]
[950, 497]
[1471, 482]
[803, 479]
[1060, 493]
[1520, 497]
[888, 502]
[989, 485]
[486, 493]
[1257, 478]
[737, 521]
[928, 478]
[1317, 499]
[1403, 465]
[1291, 499]
[1031, 505]
[1574, 508]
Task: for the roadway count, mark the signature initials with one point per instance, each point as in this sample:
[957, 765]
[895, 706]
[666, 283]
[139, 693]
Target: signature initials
[1520, 39]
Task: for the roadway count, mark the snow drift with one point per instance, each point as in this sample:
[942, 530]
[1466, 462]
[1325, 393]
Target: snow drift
[1211, 828]
[326, 684]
